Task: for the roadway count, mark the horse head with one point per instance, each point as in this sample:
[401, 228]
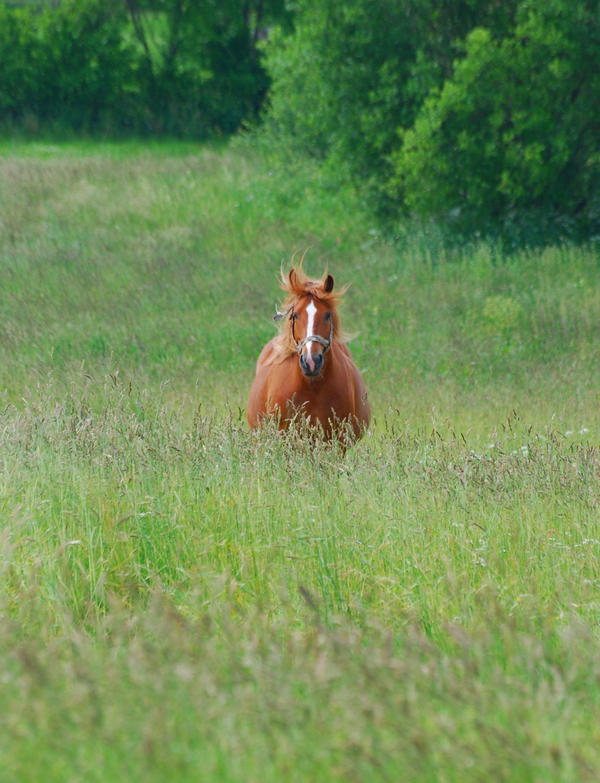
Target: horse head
[312, 320]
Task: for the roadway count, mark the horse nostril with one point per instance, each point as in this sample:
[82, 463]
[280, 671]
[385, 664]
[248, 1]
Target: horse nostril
[318, 361]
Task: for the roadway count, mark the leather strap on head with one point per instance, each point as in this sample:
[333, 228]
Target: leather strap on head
[314, 337]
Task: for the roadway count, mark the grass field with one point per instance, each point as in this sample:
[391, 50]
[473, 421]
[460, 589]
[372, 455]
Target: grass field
[182, 600]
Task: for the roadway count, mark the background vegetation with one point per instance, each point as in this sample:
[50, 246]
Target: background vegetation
[115, 67]
[179, 597]
[481, 116]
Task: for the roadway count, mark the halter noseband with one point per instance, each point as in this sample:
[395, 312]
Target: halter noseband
[324, 341]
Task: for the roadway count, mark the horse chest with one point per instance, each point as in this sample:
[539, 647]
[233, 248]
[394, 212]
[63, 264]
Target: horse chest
[317, 398]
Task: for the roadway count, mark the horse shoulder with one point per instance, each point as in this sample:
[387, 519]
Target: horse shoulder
[257, 396]
[282, 384]
[271, 388]
[356, 384]
[343, 348]
[266, 353]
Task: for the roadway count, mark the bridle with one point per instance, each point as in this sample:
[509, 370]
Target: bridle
[324, 341]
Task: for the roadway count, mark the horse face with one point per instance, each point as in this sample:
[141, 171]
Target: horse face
[312, 331]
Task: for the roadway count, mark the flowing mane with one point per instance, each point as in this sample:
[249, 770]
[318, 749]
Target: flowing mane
[297, 284]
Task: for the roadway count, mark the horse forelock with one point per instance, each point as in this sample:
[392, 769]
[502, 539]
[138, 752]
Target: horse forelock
[297, 284]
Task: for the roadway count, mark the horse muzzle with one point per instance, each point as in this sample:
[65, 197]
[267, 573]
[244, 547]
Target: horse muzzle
[311, 365]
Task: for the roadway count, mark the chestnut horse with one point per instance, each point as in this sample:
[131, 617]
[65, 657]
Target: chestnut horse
[307, 369]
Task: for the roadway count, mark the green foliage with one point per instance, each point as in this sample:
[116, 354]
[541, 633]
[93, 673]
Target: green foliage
[350, 74]
[18, 54]
[199, 63]
[516, 128]
[335, 81]
[66, 66]
[168, 67]
[85, 69]
[477, 114]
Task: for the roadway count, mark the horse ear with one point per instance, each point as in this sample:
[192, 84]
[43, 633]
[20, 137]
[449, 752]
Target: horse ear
[328, 284]
[292, 279]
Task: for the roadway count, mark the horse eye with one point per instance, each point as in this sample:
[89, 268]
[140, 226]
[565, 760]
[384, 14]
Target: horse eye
[293, 316]
[327, 316]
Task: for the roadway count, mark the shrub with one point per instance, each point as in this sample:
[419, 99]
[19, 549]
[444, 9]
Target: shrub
[481, 115]
[350, 74]
[18, 55]
[515, 131]
[154, 66]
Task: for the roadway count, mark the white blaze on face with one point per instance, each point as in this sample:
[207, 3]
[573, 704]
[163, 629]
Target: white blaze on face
[311, 311]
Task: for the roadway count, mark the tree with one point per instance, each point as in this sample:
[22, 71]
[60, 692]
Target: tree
[199, 61]
[183, 67]
[516, 129]
[350, 74]
[473, 112]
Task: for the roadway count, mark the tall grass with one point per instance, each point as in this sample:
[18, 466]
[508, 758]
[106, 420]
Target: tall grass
[182, 599]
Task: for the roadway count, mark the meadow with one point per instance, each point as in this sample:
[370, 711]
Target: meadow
[184, 600]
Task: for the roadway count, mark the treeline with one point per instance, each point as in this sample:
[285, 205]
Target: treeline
[483, 114]
[172, 67]
[473, 113]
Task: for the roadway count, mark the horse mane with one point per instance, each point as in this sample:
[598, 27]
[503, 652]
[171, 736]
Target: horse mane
[297, 284]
